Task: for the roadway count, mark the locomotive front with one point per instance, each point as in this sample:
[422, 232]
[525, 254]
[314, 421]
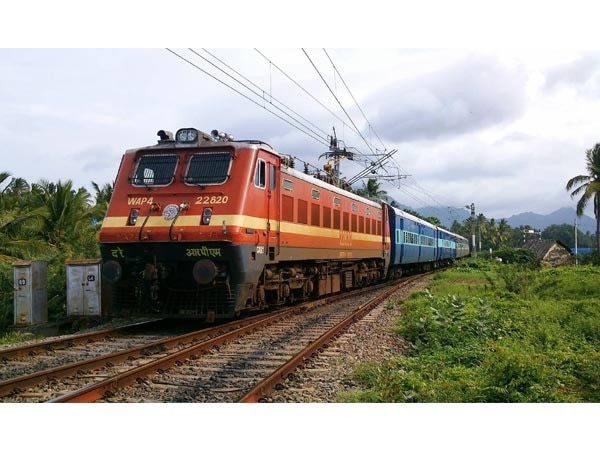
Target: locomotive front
[174, 241]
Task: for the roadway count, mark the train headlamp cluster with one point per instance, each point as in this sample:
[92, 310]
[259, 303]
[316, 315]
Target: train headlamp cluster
[187, 136]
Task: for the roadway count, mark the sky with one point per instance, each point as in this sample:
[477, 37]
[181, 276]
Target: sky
[502, 122]
[491, 103]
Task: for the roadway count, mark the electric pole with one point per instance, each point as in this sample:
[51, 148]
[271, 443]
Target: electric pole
[575, 240]
[473, 247]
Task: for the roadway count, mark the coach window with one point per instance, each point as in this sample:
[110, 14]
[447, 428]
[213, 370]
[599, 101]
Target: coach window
[260, 174]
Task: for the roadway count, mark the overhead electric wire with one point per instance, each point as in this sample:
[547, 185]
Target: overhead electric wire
[258, 94]
[243, 95]
[256, 86]
[403, 188]
[337, 100]
[304, 90]
[351, 95]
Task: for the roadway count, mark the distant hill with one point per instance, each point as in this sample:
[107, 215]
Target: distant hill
[558, 217]
[537, 221]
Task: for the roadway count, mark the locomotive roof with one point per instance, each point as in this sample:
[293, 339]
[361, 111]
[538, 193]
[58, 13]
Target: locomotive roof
[237, 145]
[328, 186]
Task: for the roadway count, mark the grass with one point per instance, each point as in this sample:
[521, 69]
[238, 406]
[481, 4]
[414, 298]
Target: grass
[485, 332]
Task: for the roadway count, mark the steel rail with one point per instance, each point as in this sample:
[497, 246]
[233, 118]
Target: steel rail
[279, 375]
[32, 349]
[9, 386]
[96, 391]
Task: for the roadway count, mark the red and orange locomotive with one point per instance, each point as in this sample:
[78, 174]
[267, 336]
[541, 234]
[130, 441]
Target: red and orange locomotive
[205, 226]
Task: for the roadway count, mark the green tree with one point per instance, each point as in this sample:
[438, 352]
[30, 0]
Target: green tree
[103, 196]
[371, 190]
[588, 188]
[67, 214]
[18, 220]
[564, 233]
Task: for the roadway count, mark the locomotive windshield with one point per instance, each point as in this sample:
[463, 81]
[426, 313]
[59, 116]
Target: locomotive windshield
[208, 168]
[157, 170]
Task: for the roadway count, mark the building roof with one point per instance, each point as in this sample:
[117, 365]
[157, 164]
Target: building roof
[541, 247]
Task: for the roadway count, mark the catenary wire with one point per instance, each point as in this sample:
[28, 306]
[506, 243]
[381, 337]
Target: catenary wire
[353, 98]
[243, 95]
[257, 93]
[259, 88]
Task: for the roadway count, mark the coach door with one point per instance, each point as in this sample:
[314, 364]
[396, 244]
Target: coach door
[273, 208]
[266, 178]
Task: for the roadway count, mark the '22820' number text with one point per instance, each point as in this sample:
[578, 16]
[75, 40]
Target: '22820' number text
[212, 200]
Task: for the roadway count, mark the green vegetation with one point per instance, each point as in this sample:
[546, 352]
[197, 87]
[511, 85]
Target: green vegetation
[588, 188]
[48, 221]
[487, 332]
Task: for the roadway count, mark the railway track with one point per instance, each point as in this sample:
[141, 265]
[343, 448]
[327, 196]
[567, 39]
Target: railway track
[239, 361]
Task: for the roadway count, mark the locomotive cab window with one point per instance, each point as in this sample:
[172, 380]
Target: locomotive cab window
[155, 170]
[260, 175]
[208, 168]
[272, 177]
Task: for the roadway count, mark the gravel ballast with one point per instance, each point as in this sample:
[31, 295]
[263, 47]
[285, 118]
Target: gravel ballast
[330, 373]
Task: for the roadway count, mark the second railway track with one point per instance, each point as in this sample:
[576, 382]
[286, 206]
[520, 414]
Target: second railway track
[221, 364]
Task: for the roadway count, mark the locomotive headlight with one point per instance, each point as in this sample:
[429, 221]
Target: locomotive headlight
[206, 215]
[187, 135]
[111, 271]
[133, 217]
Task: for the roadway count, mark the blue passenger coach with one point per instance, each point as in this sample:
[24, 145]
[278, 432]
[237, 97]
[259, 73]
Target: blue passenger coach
[419, 245]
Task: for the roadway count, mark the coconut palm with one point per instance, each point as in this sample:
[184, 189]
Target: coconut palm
[588, 186]
[18, 221]
[371, 190]
[103, 196]
[67, 212]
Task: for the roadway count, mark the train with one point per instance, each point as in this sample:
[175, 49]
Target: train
[204, 226]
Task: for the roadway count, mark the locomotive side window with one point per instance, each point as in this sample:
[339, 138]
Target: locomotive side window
[326, 217]
[336, 219]
[287, 208]
[315, 214]
[302, 212]
[260, 175]
[155, 170]
[208, 168]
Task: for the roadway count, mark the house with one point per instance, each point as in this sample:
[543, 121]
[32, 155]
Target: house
[550, 253]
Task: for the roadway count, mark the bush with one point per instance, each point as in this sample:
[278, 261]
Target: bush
[532, 338]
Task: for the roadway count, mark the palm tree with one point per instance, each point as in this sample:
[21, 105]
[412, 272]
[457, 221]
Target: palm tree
[67, 212]
[371, 190]
[589, 188]
[103, 196]
[18, 221]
